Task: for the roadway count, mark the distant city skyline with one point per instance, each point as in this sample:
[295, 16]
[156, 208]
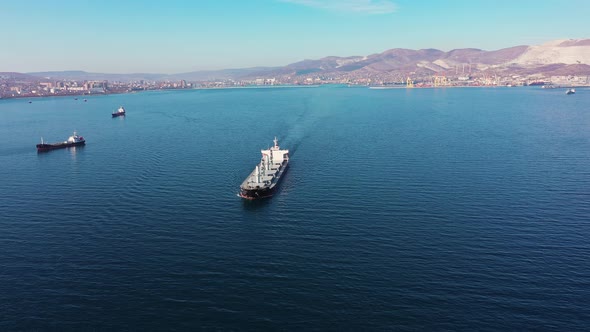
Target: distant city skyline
[182, 36]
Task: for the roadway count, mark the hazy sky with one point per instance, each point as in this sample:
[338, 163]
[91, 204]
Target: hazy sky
[125, 36]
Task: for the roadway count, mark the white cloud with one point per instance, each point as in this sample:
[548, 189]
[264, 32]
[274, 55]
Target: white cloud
[356, 6]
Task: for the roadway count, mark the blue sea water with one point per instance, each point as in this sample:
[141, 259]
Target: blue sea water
[403, 209]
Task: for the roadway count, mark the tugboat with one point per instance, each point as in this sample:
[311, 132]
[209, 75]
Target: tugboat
[570, 91]
[73, 140]
[265, 177]
[119, 112]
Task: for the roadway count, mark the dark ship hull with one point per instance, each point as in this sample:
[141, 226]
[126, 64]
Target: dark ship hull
[256, 193]
[118, 114]
[55, 146]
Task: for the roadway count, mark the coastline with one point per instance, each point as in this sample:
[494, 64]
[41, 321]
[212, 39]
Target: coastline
[376, 87]
[84, 95]
[66, 95]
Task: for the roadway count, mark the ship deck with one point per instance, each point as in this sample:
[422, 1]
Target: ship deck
[270, 175]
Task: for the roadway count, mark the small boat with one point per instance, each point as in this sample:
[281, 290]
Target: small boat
[119, 112]
[75, 98]
[85, 100]
[570, 91]
[74, 140]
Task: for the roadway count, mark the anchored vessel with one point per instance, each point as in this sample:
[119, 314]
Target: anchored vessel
[570, 91]
[265, 177]
[73, 140]
[119, 112]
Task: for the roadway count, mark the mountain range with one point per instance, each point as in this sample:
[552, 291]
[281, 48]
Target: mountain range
[559, 57]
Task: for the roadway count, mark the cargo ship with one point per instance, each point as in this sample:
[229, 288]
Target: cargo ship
[74, 140]
[119, 112]
[265, 177]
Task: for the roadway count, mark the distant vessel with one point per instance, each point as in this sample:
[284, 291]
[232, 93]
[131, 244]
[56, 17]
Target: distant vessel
[119, 112]
[536, 83]
[73, 140]
[265, 177]
[570, 91]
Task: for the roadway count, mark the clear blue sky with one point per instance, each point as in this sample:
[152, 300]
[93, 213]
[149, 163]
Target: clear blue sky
[125, 36]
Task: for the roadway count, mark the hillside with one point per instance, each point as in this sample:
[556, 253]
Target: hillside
[559, 57]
